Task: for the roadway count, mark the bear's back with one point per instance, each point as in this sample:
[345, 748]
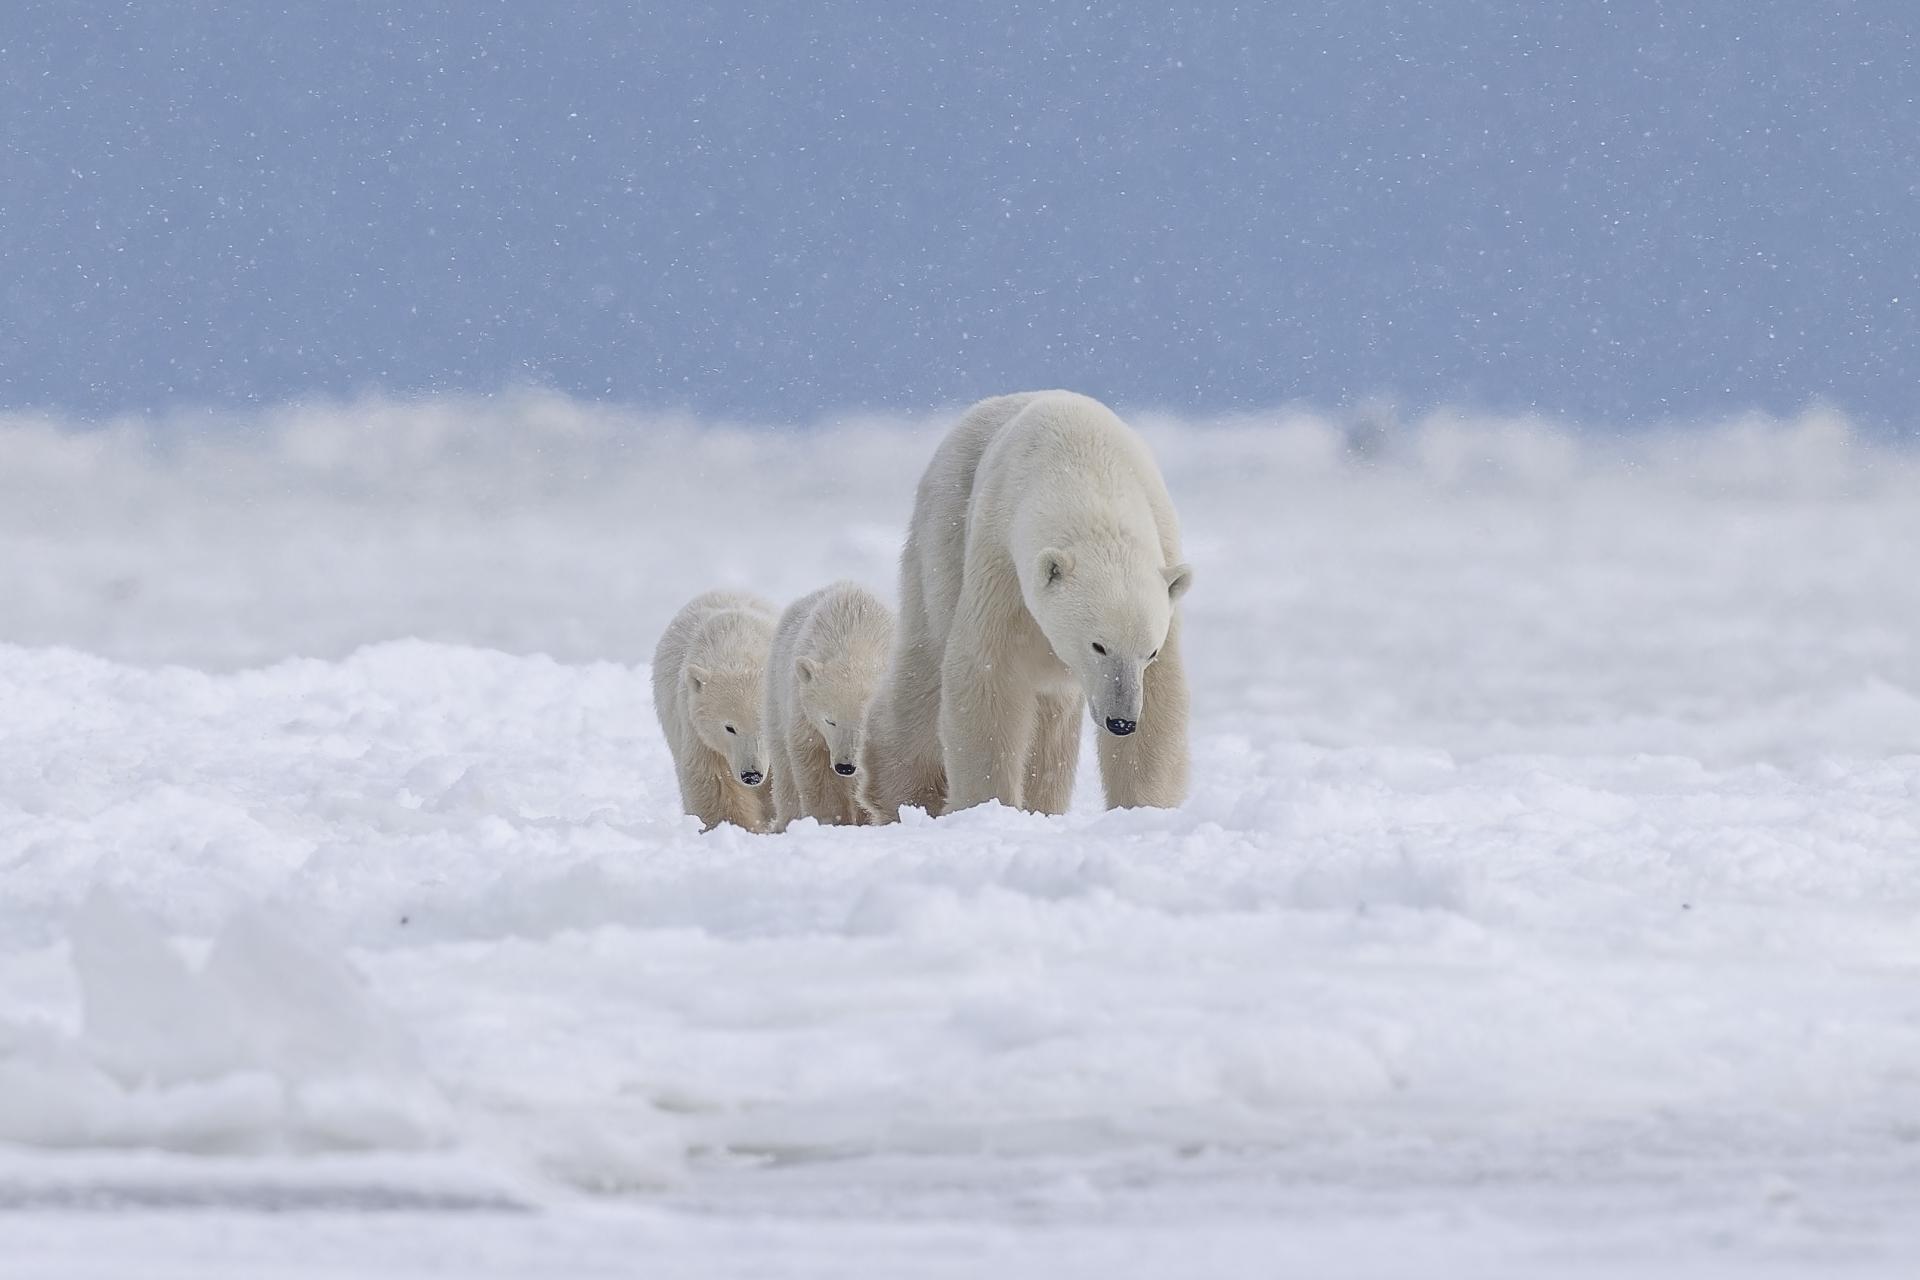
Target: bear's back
[1062, 437]
[1064, 462]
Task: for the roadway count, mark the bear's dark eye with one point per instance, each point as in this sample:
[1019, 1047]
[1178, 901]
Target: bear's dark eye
[1099, 648]
[1153, 655]
[731, 729]
[832, 725]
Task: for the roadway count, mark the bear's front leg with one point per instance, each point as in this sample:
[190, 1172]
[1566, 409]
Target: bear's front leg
[986, 730]
[814, 778]
[857, 815]
[1148, 768]
[839, 805]
[833, 799]
[745, 806]
[1056, 754]
[702, 792]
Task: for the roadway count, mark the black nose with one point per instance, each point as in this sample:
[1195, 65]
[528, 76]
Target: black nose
[751, 777]
[844, 770]
[1115, 725]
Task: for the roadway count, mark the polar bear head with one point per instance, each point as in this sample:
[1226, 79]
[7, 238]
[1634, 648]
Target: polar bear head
[1105, 607]
[833, 696]
[724, 704]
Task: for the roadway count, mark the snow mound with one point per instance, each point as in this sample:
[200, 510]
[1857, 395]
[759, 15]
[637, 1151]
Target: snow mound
[270, 1045]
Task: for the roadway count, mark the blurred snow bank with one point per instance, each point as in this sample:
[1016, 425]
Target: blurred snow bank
[1818, 451]
[529, 443]
[538, 523]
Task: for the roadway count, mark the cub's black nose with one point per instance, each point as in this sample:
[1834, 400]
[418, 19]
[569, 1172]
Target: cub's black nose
[751, 777]
[1119, 727]
[844, 770]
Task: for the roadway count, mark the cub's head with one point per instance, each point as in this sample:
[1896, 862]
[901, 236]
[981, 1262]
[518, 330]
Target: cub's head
[834, 696]
[724, 703]
[1105, 607]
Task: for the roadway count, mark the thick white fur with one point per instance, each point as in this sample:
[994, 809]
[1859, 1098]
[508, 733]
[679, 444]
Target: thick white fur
[709, 673]
[829, 653]
[1040, 529]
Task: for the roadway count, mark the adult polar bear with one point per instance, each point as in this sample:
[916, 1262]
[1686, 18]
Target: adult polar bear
[1039, 575]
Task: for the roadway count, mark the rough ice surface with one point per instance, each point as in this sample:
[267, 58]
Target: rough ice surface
[1548, 900]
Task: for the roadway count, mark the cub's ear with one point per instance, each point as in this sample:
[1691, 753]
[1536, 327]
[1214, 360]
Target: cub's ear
[1053, 565]
[1179, 578]
[697, 677]
[804, 668]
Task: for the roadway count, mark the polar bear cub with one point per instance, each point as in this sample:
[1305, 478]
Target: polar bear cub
[1040, 575]
[709, 689]
[829, 652]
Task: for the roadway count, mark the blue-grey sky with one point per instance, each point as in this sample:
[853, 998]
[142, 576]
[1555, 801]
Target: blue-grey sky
[1624, 212]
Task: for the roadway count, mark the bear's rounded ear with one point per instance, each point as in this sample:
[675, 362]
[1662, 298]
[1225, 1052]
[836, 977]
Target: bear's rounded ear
[697, 677]
[1053, 565]
[804, 668]
[1179, 578]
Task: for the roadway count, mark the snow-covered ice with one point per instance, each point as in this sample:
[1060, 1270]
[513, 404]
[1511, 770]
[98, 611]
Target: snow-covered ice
[1548, 900]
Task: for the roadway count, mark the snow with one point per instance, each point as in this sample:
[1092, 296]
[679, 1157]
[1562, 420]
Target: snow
[1548, 901]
